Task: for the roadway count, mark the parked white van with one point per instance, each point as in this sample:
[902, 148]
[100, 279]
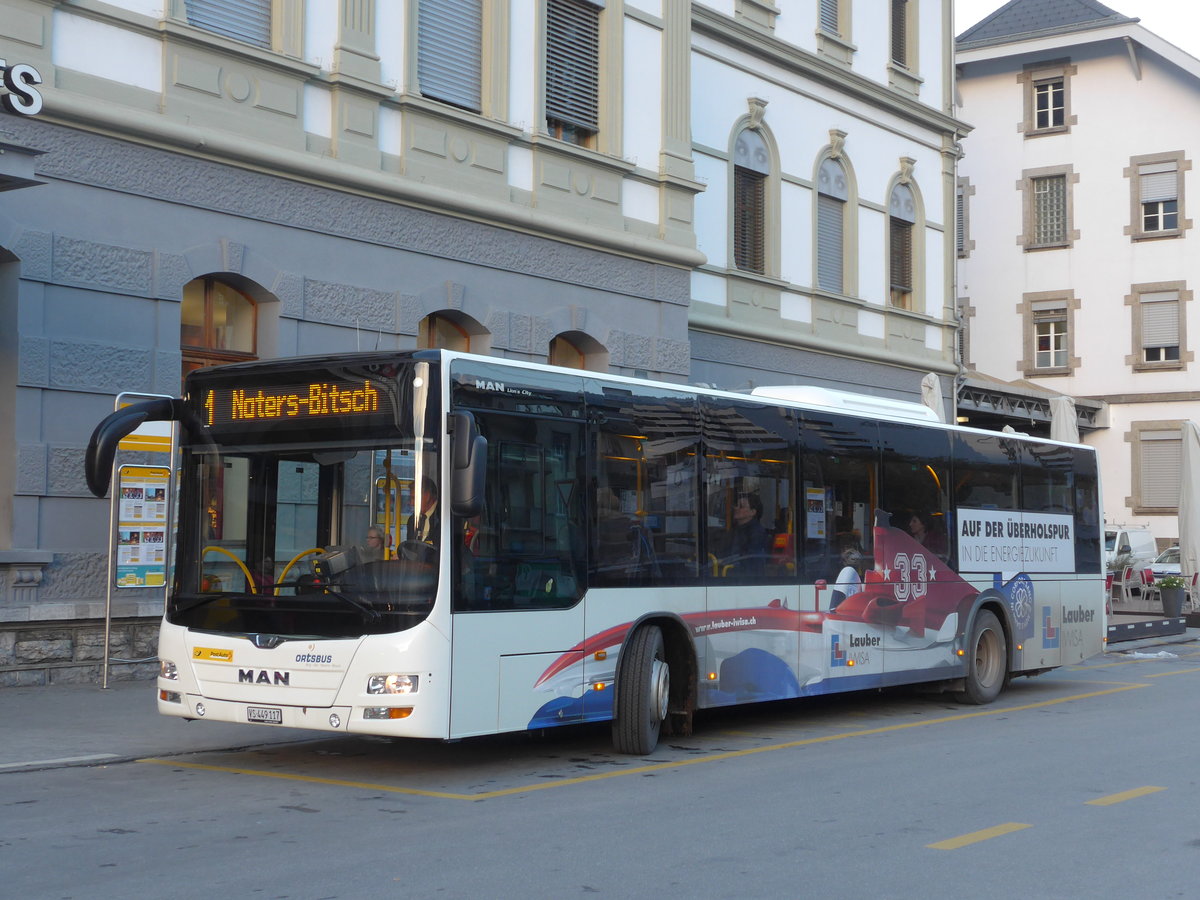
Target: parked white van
[1128, 545]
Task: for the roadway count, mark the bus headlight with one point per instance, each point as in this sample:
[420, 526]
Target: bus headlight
[167, 670]
[392, 684]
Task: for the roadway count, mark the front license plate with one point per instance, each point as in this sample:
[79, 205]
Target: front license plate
[264, 715]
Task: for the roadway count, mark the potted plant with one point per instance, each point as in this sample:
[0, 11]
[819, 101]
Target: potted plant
[1172, 589]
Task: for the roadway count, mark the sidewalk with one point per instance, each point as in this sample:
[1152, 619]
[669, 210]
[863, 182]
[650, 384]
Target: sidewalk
[84, 725]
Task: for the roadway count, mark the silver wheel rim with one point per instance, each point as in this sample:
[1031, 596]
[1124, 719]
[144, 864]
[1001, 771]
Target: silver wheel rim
[660, 688]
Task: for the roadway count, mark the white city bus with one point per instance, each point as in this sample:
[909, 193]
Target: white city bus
[604, 548]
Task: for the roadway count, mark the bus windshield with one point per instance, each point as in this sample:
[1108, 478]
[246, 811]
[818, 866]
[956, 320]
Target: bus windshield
[308, 527]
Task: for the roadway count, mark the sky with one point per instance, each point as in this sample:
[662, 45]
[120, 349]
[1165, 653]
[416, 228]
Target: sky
[1177, 21]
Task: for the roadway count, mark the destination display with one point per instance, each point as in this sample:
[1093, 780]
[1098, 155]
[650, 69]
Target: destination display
[290, 402]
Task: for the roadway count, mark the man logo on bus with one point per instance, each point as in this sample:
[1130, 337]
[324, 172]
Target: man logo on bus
[262, 676]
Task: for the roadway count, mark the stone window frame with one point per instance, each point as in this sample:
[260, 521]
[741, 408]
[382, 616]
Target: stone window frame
[1034, 306]
[902, 74]
[1041, 73]
[916, 230]
[607, 137]
[771, 217]
[1135, 229]
[850, 262]
[838, 45]
[1026, 186]
[1137, 437]
[1137, 357]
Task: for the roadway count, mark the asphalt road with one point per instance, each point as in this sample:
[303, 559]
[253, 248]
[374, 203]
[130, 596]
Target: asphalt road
[1078, 783]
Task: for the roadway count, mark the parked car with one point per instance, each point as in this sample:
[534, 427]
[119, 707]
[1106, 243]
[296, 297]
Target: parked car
[1166, 563]
[1128, 545]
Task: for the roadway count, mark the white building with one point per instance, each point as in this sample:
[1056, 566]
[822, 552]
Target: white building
[823, 134]
[1075, 269]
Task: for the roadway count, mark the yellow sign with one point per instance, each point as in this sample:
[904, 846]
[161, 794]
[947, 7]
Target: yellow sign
[212, 653]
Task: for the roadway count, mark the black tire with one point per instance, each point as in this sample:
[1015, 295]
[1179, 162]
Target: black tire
[643, 689]
[987, 660]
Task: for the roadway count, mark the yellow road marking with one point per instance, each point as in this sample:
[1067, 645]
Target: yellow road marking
[1125, 795]
[976, 836]
[655, 767]
[1174, 672]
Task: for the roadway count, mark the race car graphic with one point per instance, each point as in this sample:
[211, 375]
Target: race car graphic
[912, 602]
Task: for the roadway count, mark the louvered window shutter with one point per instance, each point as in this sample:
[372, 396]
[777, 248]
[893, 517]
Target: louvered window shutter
[449, 45]
[243, 20]
[749, 202]
[900, 32]
[830, 241]
[902, 269]
[573, 63]
[1162, 460]
[1160, 320]
[829, 16]
[1158, 181]
[960, 221]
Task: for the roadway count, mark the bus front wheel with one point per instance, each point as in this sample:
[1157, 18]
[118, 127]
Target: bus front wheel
[643, 693]
[987, 660]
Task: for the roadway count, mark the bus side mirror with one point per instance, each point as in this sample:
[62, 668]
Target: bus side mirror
[468, 465]
[102, 448]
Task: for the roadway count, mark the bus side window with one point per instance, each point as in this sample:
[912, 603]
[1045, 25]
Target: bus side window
[839, 493]
[916, 484]
[646, 451]
[749, 477]
[987, 473]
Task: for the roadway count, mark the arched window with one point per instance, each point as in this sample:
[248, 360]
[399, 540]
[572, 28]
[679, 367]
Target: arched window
[442, 332]
[832, 194]
[902, 215]
[453, 330]
[218, 324]
[751, 166]
[576, 350]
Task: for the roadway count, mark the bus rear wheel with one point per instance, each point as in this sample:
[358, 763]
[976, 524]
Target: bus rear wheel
[987, 660]
[643, 693]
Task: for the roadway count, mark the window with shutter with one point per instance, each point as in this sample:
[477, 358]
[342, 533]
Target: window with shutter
[1161, 460]
[900, 32]
[449, 51]
[901, 216]
[243, 20]
[751, 166]
[749, 208]
[572, 69]
[1160, 326]
[1158, 190]
[1050, 339]
[832, 193]
[829, 17]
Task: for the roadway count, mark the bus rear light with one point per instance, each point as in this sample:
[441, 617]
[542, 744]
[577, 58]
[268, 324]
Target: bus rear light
[168, 670]
[170, 696]
[387, 712]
